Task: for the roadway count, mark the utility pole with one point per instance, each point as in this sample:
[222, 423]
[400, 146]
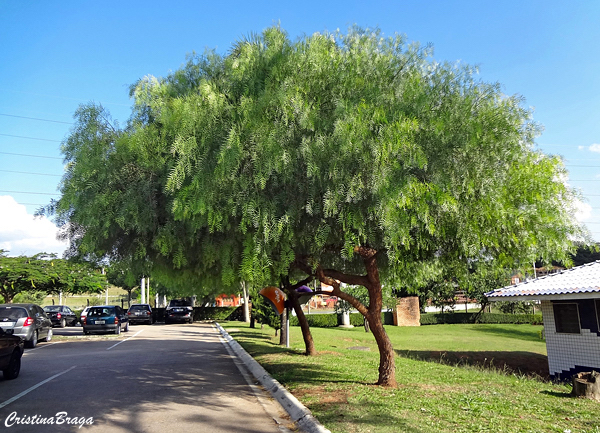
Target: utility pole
[143, 290]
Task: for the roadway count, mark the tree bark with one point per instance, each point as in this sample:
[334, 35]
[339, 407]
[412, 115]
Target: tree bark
[587, 384]
[246, 302]
[387, 356]
[283, 330]
[306, 334]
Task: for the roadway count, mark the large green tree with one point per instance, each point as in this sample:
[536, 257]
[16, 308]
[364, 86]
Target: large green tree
[358, 159]
[350, 158]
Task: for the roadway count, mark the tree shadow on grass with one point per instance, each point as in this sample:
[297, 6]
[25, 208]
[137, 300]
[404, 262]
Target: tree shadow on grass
[525, 363]
[526, 333]
[558, 394]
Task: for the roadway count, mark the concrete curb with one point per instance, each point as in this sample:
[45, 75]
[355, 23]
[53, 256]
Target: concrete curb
[297, 411]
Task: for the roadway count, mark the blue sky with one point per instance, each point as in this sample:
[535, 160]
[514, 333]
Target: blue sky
[55, 55]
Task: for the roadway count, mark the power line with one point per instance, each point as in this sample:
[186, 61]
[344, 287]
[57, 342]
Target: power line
[39, 204]
[31, 156]
[31, 138]
[36, 118]
[28, 172]
[27, 192]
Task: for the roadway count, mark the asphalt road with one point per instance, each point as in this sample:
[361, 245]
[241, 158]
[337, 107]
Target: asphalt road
[154, 379]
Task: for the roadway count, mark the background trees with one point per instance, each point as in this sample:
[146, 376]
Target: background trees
[48, 275]
[349, 158]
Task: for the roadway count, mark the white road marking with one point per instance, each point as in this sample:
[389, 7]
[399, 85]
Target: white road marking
[27, 391]
[123, 341]
[39, 347]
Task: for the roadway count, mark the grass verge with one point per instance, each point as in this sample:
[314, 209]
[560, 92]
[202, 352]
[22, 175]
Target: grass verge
[451, 378]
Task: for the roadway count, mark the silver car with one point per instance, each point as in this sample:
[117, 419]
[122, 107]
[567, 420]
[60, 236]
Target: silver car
[27, 321]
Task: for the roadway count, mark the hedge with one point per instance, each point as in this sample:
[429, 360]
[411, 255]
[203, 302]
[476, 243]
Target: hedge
[356, 319]
[331, 320]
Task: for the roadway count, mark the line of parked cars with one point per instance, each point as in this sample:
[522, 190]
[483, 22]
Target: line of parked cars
[24, 325]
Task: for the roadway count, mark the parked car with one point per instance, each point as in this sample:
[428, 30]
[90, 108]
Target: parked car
[179, 310]
[83, 314]
[140, 313]
[61, 315]
[105, 318]
[27, 321]
[11, 350]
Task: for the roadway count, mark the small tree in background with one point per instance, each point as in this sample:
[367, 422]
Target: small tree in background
[263, 313]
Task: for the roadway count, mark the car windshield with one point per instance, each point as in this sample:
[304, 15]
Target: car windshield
[179, 303]
[99, 312]
[12, 314]
[139, 308]
[53, 308]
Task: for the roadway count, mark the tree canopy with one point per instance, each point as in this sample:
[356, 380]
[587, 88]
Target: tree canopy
[48, 274]
[344, 157]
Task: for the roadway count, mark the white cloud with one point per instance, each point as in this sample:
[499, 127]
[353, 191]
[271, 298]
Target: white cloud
[584, 211]
[23, 234]
[595, 147]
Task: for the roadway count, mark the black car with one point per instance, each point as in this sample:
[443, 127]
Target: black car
[11, 350]
[140, 313]
[61, 315]
[105, 318]
[179, 310]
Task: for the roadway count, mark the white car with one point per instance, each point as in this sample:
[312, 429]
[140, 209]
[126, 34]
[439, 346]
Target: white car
[83, 315]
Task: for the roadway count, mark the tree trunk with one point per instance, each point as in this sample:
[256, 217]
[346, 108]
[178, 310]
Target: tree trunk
[283, 333]
[387, 356]
[306, 335]
[587, 384]
[246, 302]
[372, 282]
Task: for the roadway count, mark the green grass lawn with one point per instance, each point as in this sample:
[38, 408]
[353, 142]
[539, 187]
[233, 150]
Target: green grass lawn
[451, 378]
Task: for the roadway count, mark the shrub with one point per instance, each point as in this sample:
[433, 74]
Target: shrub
[491, 318]
[333, 320]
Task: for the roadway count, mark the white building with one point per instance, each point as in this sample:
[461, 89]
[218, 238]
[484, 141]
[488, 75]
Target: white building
[570, 303]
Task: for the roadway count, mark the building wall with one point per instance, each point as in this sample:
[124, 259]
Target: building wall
[572, 353]
[227, 301]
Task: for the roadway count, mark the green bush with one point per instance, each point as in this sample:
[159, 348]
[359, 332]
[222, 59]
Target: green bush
[317, 320]
[213, 313]
[356, 319]
[333, 320]
[491, 318]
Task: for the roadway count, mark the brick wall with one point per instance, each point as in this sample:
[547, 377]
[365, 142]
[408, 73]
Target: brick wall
[407, 312]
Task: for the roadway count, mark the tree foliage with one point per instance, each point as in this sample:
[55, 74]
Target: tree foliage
[351, 158]
[46, 274]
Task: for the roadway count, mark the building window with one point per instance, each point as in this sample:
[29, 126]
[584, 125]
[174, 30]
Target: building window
[566, 318]
[598, 313]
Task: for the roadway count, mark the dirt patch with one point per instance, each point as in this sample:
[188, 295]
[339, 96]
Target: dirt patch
[527, 363]
[328, 352]
[322, 395]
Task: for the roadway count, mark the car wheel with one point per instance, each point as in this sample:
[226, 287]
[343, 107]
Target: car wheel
[63, 323]
[49, 335]
[34, 340]
[118, 329]
[126, 327]
[14, 367]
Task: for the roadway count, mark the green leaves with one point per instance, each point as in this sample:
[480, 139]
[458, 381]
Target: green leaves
[43, 273]
[234, 165]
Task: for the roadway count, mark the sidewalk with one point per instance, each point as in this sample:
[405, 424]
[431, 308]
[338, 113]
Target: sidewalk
[296, 410]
